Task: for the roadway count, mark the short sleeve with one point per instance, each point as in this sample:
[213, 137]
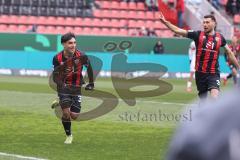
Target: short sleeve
[193, 35]
[224, 42]
[85, 60]
[55, 62]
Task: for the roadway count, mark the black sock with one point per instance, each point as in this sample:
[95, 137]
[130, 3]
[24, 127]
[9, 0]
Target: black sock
[203, 97]
[235, 79]
[229, 76]
[67, 126]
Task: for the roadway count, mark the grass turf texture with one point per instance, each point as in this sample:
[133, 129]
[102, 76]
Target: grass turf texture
[29, 127]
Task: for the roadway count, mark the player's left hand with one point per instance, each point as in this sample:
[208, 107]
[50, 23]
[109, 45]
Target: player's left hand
[89, 86]
[161, 17]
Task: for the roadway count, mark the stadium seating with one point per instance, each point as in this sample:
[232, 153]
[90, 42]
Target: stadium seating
[112, 17]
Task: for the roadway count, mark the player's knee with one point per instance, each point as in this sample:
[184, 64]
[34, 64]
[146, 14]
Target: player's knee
[66, 114]
[214, 93]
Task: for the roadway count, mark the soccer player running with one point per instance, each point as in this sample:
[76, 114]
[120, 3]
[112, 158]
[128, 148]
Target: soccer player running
[192, 58]
[208, 43]
[235, 48]
[67, 74]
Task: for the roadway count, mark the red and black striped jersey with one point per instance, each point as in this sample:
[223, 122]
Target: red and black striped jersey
[69, 70]
[208, 50]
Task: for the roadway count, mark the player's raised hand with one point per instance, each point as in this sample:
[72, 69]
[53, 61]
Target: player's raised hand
[161, 17]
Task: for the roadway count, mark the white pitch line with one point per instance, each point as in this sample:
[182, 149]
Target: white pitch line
[20, 157]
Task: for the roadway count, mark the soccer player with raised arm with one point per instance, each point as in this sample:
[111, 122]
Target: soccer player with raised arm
[68, 65]
[208, 43]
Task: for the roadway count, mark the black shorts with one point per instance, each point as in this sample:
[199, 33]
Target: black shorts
[70, 101]
[207, 81]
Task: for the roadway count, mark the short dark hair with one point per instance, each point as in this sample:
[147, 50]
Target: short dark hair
[66, 37]
[210, 16]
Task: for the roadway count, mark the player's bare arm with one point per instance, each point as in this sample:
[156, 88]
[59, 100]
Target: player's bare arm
[231, 56]
[172, 27]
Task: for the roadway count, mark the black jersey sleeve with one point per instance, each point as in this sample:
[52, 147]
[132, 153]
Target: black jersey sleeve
[194, 35]
[224, 42]
[57, 74]
[55, 62]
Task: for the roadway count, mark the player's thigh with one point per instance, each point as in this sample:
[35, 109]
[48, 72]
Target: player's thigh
[65, 100]
[76, 104]
[214, 81]
[201, 82]
[214, 93]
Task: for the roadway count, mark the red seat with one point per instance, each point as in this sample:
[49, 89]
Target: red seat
[96, 31]
[149, 24]
[22, 20]
[50, 20]
[105, 31]
[12, 19]
[69, 29]
[115, 23]
[123, 14]
[114, 31]
[3, 27]
[69, 21]
[105, 22]
[140, 6]
[60, 30]
[41, 29]
[78, 21]
[60, 21]
[106, 14]
[77, 30]
[149, 15]
[97, 13]
[3, 18]
[41, 20]
[31, 20]
[50, 30]
[132, 15]
[86, 31]
[132, 23]
[140, 23]
[123, 32]
[123, 23]
[23, 28]
[97, 22]
[158, 24]
[87, 22]
[105, 4]
[12, 28]
[140, 15]
[114, 14]
[115, 5]
[132, 6]
[123, 5]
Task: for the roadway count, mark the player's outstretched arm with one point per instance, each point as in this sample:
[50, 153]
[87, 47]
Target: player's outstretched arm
[231, 56]
[172, 27]
[90, 85]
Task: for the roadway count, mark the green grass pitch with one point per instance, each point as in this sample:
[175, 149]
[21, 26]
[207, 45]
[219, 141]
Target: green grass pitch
[29, 127]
